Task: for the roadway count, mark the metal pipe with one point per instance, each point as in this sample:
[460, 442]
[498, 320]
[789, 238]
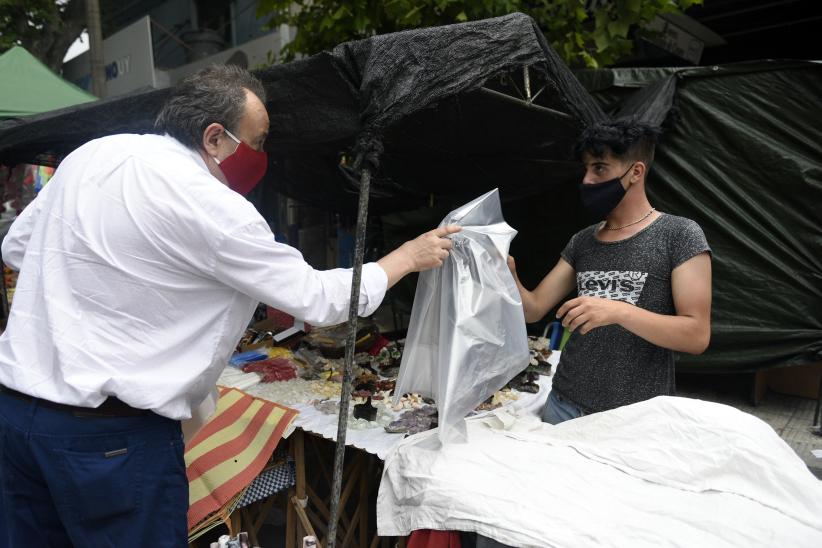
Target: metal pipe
[526, 76]
[526, 104]
[351, 340]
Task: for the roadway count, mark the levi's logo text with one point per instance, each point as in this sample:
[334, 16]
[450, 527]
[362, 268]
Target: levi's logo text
[615, 285]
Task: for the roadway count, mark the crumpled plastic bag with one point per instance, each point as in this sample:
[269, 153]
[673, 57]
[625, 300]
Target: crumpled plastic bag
[466, 336]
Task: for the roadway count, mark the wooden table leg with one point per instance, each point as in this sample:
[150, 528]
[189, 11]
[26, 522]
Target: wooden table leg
[290, 517]
[304, 521]
[298, 502]
[255, 523]
[234, 524]
[298, 442]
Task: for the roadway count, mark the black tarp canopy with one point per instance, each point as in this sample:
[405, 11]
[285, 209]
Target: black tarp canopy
[421, 101]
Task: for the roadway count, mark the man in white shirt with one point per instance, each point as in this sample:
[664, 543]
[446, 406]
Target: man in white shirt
[140, 266]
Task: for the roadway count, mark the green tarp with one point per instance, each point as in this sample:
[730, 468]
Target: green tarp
[28, 87]
[745, 161]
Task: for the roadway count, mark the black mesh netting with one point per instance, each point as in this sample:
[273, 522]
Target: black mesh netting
[408, 102]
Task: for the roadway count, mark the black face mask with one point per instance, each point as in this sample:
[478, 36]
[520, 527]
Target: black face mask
[600, 199]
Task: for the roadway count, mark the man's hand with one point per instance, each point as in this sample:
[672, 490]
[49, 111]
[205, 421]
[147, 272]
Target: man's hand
[426, 251]
[429, 250]
[586, 313]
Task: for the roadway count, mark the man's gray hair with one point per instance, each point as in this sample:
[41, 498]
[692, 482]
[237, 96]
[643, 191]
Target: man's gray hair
[214, 94]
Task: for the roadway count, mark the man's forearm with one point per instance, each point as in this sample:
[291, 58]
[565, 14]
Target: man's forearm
[679, 333]
[396, 265]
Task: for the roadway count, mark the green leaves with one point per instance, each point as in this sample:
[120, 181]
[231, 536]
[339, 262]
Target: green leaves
[46, 28]
[584, 38]
[601, 36]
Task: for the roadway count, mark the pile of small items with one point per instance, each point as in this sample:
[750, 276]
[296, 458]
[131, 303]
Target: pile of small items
[272, 364]
[414, 421]
[318, 359]
[499, 398]
[420, 414]
[540, 350]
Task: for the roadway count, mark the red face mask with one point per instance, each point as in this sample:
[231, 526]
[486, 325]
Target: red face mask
[244, 167]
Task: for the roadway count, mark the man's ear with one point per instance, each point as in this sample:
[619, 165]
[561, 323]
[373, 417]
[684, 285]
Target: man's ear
[211, 138]
[638, 172]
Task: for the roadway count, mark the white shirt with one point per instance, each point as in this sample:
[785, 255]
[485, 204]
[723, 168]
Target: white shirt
[139, 272]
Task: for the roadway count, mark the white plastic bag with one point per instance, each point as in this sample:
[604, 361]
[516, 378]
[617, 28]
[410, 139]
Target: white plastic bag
[466, 337]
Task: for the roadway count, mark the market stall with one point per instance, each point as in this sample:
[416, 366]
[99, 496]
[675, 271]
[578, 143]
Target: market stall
[306, 376]
[668, 471]
[499, 110]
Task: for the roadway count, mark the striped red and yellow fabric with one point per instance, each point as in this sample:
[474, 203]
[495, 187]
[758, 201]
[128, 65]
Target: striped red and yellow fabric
[231, 449]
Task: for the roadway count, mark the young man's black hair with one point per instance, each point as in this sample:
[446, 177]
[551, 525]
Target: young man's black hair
[626, 138]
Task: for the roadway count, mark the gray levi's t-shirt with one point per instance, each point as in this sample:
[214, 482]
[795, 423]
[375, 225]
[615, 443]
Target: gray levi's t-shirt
[609, 366]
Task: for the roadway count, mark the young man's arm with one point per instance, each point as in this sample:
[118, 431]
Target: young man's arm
[687, 331]
[560, 281]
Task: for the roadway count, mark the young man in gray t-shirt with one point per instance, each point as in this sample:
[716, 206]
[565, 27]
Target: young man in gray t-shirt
[643, 280]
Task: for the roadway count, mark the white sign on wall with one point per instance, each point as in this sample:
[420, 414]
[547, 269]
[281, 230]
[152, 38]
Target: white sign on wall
[128, 59]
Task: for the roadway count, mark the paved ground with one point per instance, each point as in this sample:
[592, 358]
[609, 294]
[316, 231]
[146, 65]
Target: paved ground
[790, 416]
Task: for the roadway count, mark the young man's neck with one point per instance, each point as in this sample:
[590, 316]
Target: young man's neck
[633, 206]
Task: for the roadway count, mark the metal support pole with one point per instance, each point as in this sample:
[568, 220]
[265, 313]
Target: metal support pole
[345, 395]
[521, 102]
[526, 76]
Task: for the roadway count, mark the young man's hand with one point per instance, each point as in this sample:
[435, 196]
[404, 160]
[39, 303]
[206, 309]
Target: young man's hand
[586, 313]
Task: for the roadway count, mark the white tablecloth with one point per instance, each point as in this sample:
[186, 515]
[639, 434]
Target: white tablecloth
[379, 442]
[666, 472]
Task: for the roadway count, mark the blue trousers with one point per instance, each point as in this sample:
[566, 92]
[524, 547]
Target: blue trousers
[90, 482]
[557, 409]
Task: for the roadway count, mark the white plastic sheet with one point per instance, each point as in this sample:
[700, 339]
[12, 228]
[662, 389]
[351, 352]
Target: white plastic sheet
[466, 337]
[667, 472]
